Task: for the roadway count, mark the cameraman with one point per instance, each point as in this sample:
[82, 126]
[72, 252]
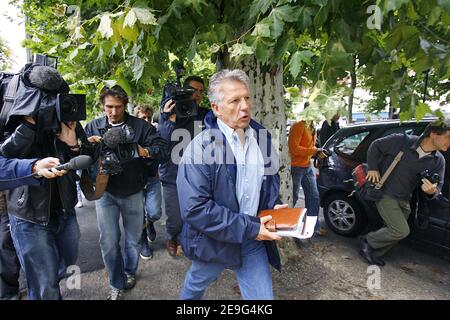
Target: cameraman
[420, 154]
[43, 223]
[168, 123]
[124, 192]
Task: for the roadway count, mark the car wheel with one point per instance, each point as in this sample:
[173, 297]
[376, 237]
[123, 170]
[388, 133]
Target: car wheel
[344, 215]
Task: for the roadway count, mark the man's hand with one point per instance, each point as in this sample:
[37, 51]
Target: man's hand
[320, 154]
[95, 139]
[373, 176]
[144, 153]
[68, 134]
[45, 168]
[428, 187]
[30, 119]
[265, 234]
[168, 107]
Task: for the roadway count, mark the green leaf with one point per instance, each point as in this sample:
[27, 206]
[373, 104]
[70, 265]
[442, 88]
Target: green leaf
[240, 49]
[392, 5]
[144, 15]
[192, 49]
[259, 7]
[422, 109]
[130, 19]
[261, 51]
[279, 16]
[434, 16]
[305, 17]
[262, 29]
[105, 26]
[298, 59]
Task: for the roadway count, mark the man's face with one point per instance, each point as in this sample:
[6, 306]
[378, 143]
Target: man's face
[114, 109]
[199, 91]
[441, 142]
[144, 115]
[236, 106]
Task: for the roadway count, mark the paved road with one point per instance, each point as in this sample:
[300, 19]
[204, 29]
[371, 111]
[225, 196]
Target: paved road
[322, 268]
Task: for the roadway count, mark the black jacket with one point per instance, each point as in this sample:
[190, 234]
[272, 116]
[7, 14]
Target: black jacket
[168, 170]
[136, 171]
[35, 203]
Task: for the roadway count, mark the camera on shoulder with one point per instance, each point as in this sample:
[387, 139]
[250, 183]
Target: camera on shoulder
[185, 105]
[39, 91]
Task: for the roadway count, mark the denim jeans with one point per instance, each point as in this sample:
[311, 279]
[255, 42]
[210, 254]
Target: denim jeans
[174, 222]
[109, 209]
[254, 277]
[9, 263]
[153, 199]
[45, 252]
[307, 179]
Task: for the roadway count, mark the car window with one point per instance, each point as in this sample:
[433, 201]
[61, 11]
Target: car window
[417, 131]
[349, 144]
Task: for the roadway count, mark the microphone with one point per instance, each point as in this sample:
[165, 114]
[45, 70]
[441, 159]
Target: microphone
[77, 163]
[46, 78]
[115, 136]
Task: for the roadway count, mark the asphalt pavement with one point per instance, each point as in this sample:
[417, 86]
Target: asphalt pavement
[326, 267]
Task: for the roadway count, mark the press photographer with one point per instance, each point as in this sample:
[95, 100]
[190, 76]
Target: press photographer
[40, 119]
[128, 147]
[176, 114]
[420, 165]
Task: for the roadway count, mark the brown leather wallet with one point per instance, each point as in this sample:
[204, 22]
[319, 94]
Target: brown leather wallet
[282, 219]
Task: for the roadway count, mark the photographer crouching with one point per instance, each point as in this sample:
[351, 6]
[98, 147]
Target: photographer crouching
[40, 120]
[128, 144]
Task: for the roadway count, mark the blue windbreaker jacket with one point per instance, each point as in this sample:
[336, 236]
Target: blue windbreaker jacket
[213, 228]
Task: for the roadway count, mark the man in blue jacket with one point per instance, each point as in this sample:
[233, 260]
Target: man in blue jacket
[15, 173]
[227, 174]
[18, 172]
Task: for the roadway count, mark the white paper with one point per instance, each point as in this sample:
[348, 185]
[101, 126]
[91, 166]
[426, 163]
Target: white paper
[297, 232]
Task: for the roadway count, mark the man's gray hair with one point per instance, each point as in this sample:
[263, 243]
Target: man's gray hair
[214, 93]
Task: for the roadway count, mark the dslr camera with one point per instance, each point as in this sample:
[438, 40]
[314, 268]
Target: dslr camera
[185, 105]
[117, 147]
[433, 178]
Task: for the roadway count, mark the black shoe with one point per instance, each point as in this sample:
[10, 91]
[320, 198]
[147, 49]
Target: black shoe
[131, 281]
[151, 232]
[378, 261]
[366, 251]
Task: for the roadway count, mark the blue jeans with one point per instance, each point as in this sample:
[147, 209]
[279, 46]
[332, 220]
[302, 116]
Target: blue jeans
[109, 209]
[307, 179]
[45, 252]
[153, 199]
[254, 277]
[174, 222]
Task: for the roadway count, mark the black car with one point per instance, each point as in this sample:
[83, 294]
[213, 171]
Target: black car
[348, 215]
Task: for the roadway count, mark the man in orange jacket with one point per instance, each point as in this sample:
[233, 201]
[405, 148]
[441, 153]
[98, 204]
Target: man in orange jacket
[302, 140]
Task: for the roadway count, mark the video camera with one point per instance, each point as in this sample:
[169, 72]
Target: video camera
[185, 105]
[117, 148]
[39, 91]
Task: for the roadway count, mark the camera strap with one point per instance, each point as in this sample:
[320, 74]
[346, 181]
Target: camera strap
[94, 192]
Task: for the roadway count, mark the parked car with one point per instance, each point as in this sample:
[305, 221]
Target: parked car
[347, 214]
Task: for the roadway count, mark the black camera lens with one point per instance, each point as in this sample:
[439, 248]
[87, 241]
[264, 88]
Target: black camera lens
[69, 105]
